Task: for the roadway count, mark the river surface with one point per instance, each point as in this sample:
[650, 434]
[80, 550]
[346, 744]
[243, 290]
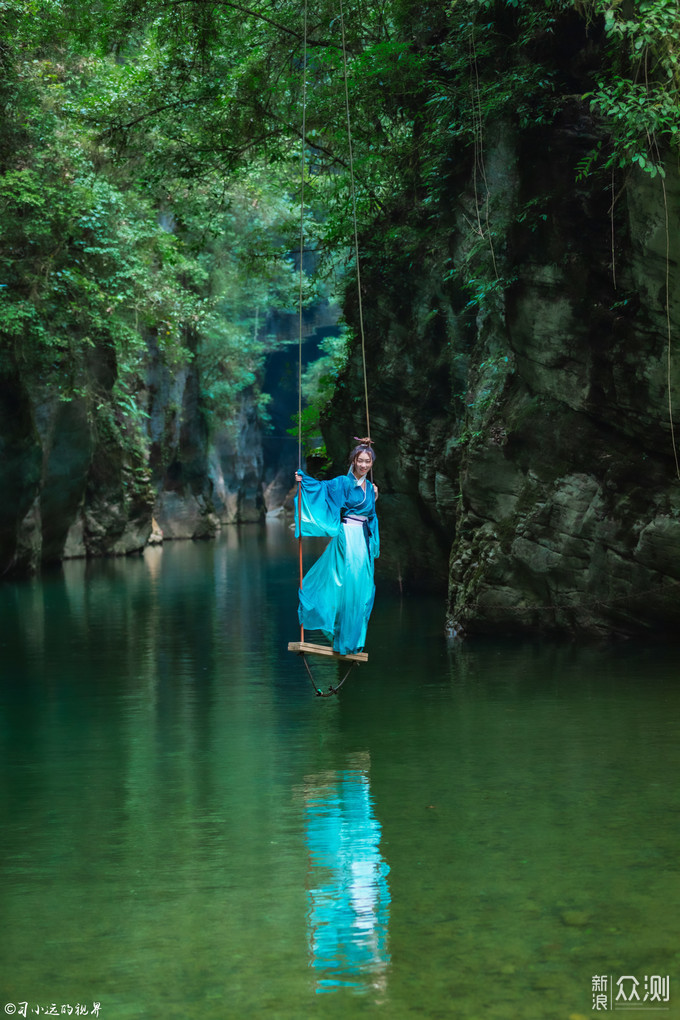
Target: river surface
[482, 830]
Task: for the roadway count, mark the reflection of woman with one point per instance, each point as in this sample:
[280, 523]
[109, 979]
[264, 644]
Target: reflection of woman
[337, 593]
[349, 896]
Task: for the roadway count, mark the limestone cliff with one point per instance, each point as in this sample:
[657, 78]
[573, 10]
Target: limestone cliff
[72, 486]
[80, 478]
[525, 451]
[201, 478]
[85, 477]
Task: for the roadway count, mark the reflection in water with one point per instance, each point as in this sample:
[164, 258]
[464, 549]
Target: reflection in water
[349, 896]
[153, 727]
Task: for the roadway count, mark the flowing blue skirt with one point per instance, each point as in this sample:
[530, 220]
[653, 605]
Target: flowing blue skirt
[338, 591]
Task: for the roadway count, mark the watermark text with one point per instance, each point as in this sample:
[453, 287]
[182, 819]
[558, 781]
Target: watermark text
[650, 993]
[27, 1009]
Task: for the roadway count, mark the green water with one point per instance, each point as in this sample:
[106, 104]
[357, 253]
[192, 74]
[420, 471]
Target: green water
[470, 831]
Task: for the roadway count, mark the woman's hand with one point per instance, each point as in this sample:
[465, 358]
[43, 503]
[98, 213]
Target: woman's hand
[298, 476]
[375, 490]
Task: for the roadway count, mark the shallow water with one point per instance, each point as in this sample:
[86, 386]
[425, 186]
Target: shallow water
[473, 831]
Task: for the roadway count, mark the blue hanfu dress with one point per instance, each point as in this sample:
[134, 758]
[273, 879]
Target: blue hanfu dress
[338, 591]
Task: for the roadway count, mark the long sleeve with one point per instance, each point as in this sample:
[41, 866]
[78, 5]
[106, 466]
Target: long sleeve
[321, 506]
[374, 540]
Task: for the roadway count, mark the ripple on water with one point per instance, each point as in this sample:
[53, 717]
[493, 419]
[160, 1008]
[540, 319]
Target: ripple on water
[470, 831]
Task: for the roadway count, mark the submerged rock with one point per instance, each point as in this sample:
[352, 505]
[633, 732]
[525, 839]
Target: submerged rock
[576, 918]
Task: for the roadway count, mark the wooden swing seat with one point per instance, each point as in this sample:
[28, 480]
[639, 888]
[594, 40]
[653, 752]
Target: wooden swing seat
[305, 647]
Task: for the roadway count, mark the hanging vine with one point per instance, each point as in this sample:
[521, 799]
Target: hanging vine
[638, 100]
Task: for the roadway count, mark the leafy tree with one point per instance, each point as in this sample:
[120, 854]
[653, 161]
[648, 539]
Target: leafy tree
[637, 90]
[151, 156]
[100, 254]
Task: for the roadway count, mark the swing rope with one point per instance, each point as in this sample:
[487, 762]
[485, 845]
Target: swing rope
[300, 297]
[332, 689]
[354, 221]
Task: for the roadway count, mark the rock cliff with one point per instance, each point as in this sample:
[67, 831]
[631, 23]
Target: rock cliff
[82, 477]
[524, 443]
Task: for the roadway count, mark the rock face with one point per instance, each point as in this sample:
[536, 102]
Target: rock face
[83, 480]
[235, 468]
[81, 477]
[201, 481]
[20, 469]
[69, 489]
[570, 508]
[524, 448]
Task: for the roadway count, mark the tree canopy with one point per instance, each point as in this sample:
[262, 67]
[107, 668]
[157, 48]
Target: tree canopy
[151, 153]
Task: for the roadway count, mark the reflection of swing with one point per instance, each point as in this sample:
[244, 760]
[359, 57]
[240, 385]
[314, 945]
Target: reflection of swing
[304, 648]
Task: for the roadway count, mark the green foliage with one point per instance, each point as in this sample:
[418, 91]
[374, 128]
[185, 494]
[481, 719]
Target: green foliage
[151, 152]
[637, 90]
[318, 386]
[101, 255]
[482, 398]
[86, 269]
[217, 90]
[308, 426]
[319, 379]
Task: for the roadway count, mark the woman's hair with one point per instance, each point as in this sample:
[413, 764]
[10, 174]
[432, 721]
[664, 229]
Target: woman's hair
[361, 448]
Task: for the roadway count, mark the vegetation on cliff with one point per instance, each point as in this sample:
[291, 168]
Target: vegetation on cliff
[149, 152]
[150, 183]
[100, 254]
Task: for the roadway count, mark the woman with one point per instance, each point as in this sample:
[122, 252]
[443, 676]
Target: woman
[337, 594]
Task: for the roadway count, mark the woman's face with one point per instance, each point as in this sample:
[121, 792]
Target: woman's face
[362, 464]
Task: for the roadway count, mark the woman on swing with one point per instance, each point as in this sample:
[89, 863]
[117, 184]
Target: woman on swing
[337, 593]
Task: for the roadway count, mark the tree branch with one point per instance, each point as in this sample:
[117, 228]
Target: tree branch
[242, 9]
